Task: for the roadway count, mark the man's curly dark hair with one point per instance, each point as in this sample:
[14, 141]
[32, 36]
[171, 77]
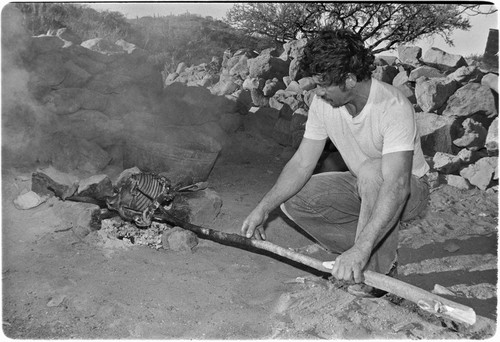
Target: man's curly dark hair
[333, 54]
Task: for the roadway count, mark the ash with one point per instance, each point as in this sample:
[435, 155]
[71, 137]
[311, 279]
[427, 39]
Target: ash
[129, 233]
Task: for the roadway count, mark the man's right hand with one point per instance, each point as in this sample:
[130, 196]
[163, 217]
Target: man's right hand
[252, 226]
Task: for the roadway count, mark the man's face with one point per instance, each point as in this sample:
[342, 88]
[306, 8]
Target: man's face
[335, 95]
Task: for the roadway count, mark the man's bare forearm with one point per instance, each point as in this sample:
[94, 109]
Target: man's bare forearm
[390, 202]
[291, 180]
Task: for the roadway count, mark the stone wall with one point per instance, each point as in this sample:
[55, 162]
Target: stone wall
[99, 106]
[456, 104]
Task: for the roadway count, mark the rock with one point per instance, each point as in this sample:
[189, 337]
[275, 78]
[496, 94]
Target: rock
[482, 172]
[400, 79]
[424, 71]
[103, 46]
[458, 182]
[442, 60]
[435, 179]
[56, 300]
[471, 99]
[180, 67]
[385, 60]
[409, 54]
[51, 181]
[240, 69]
[294, 100]
[272, 86]
[225, 86]
[179, 240]
[294, 87]
[307, 83]
[282, 133]
[76, 76]
[451, 246]
[491, 142]
[204, 206]
[474, 135]
[446, 163]
[293, 49]
[29, 200]
[97, 187]
[490, 80]
[432, 94]
[408, 90]
[385, 73]
[436, 132]
[466, 74]
[441, 290]
[298, 126]
[70, 100]
[469, 156]
[267, 67]
[72, 154]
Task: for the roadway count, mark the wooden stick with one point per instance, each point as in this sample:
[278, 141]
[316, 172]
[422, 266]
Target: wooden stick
[425, 300]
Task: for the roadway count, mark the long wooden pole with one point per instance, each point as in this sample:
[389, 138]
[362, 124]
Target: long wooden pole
[425, 300]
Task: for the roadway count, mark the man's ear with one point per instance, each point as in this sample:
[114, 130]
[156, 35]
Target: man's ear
[350, 82]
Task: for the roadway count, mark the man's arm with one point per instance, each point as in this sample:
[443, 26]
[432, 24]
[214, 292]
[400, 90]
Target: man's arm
[396, 173]
[295, 174]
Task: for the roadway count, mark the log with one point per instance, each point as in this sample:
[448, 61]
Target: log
[427, 301]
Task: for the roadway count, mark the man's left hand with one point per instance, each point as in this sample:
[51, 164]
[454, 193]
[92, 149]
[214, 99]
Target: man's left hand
[349, 265]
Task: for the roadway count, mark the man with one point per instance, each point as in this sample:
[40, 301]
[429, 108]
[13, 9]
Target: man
[354, 213]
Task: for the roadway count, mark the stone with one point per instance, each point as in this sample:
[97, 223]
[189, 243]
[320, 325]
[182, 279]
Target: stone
[72, 154]
[282, 133]
[433, 93]
[293, 49]
[446, 163]
[272, 86]
[491, 142]
[408, 89]
[70, 100]
[241, 68]
[424, 71]
[490, 80]
[385, 73]
[409, 54]
[474, 135]
[225, 86]
[204, 207]
[435, 179]
[400, 79]
[179, 240]
[466, 74]
[294, 87]
[294, 100]
[103, 46]
[29, 200]
[97, 187]
[50, 181]
[267, 67]
[458, 182]
[307, 83]
[385, 60]
[469, 156]
[482, 172]
[436, 132]
[442, 60]
[472, 98]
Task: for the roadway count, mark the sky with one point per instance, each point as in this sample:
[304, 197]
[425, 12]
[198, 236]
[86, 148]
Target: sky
[466, 42]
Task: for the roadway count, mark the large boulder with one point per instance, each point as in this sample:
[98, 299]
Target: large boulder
[385, 73]
[482, 172]
[436, 132]
[267, 67]
[293, 49]
[409, 54]
[442, 60]
[470, 99]
[490, 80]
[474, 135]
[424, 71]
[103, 46]
[433, 93]
[466, 74]
[491, 142]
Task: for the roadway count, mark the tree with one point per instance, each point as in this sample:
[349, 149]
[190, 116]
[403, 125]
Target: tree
[383, 26]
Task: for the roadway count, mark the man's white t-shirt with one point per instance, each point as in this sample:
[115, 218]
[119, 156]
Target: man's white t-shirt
[385, 125]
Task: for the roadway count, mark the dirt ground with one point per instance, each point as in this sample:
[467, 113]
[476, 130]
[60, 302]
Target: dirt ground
[57, 284]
